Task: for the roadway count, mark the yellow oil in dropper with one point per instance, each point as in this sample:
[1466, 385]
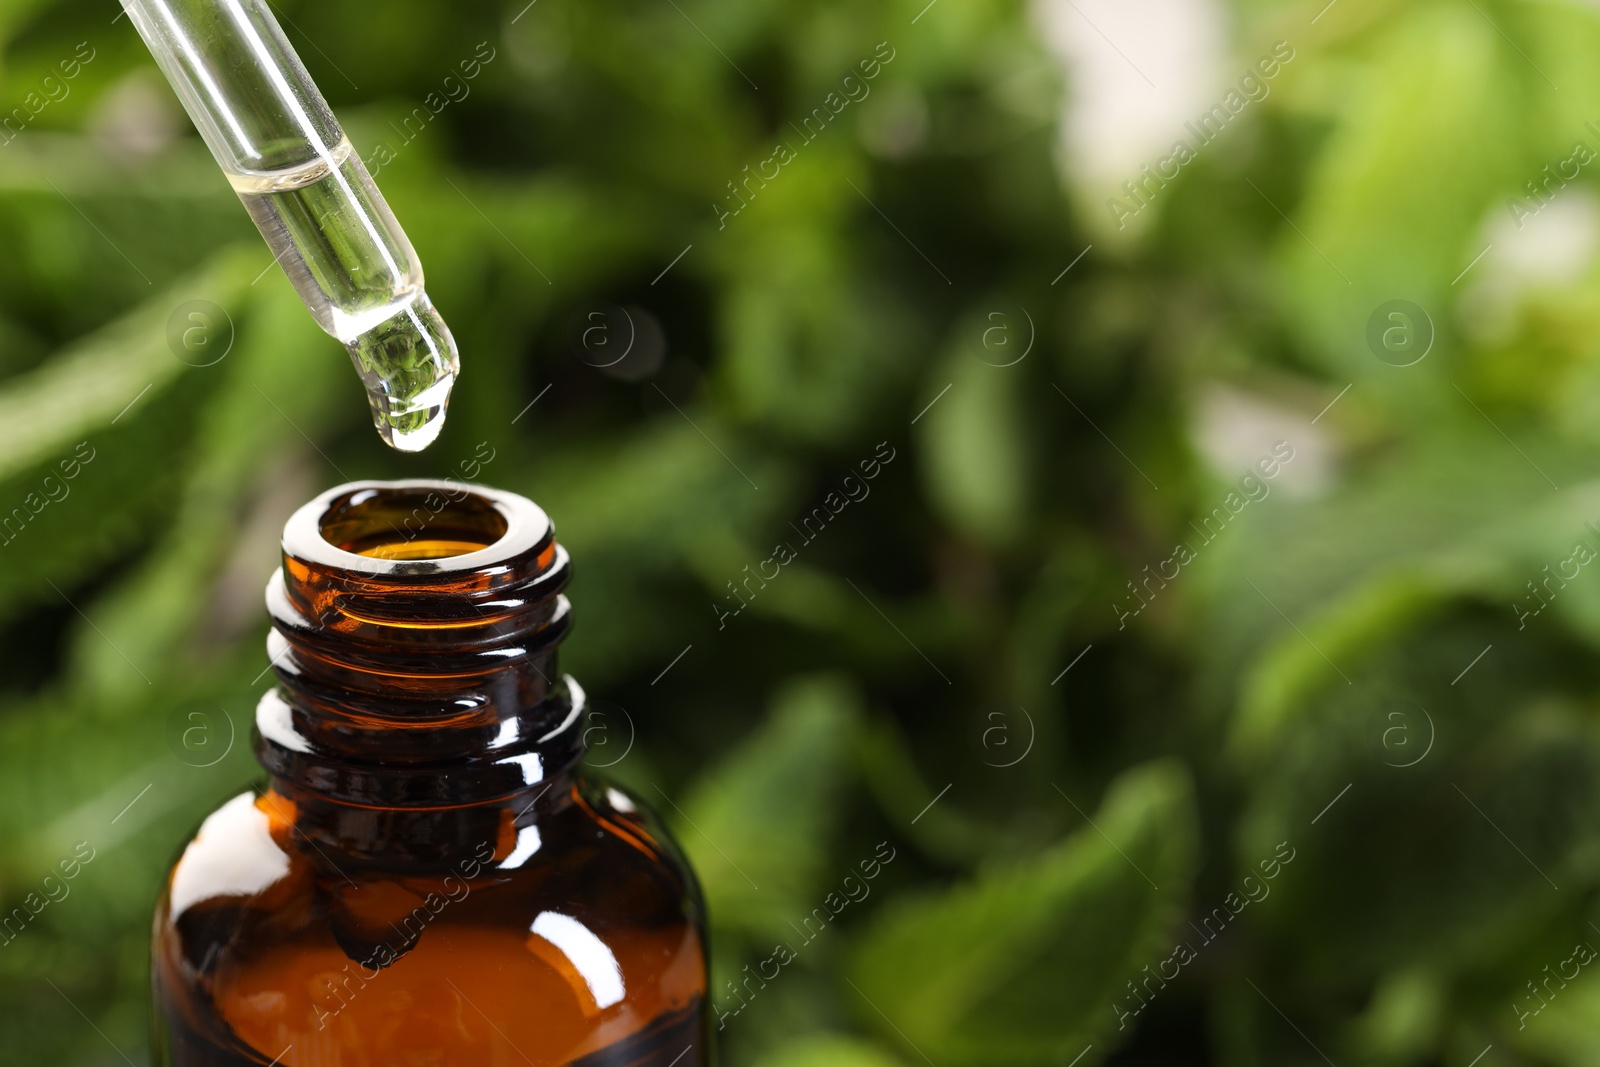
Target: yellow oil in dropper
[312, 199]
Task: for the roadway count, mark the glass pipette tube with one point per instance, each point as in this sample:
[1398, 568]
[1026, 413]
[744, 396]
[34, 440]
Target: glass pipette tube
[310, 195]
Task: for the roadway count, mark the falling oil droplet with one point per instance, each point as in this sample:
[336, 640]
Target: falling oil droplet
[408, 364]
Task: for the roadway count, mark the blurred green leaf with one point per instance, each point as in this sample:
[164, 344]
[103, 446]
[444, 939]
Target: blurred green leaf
[975, 455]
[831, 1052]
[85, 388]
[278, 357]
[1022, 966]
[117, 409]
[1372, 229]
[757, 826]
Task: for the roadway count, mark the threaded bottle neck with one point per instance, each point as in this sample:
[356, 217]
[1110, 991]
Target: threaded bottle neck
[414, 637]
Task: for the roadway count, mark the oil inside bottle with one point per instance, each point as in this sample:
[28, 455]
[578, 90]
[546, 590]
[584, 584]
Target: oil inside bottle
[352, 265]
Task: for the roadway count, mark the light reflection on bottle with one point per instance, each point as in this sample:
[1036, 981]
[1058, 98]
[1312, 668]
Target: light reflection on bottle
[528, 843]
[232, 855]
[586, 954]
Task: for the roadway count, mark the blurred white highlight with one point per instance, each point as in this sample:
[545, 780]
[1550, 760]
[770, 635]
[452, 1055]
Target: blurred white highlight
[1233, 428]
[1115, 119]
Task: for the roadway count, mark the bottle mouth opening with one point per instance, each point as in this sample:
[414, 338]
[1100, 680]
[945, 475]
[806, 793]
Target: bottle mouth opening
[418, 528]
[413, 523]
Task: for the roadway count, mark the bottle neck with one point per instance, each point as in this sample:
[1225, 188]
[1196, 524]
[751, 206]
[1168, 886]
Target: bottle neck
[414, 638]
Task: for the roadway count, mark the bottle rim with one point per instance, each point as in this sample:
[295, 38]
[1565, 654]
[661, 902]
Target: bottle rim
[507, 525]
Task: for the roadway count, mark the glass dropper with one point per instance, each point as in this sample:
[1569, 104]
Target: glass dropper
[310, 195]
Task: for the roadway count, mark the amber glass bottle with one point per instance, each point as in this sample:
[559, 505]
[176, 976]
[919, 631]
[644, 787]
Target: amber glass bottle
[428, 876]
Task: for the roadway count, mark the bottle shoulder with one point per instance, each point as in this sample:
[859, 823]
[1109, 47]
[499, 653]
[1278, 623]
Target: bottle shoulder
[582, 907]
[597, 844]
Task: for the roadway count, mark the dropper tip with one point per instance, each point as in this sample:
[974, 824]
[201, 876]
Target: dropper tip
[409, 366]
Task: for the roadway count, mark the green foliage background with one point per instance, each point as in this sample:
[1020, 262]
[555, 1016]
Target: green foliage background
[1269, 694]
